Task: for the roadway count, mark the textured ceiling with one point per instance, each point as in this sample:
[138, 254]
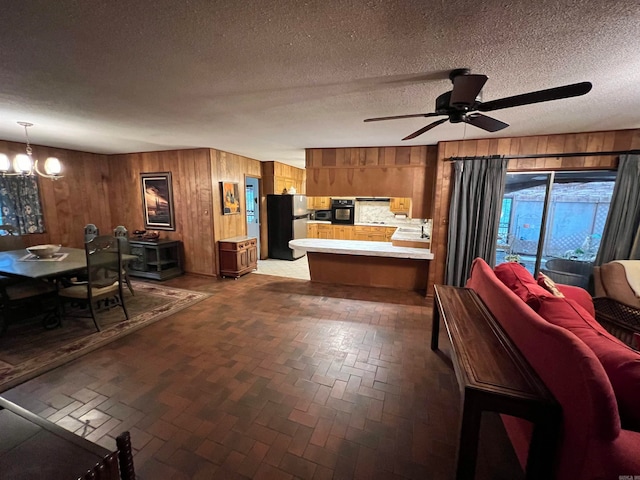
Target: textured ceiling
[267, 78]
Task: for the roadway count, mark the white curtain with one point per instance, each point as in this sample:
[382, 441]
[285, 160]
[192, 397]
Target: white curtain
[474, 215]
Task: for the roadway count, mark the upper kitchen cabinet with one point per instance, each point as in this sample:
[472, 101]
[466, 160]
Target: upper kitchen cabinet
[318, 203]
[400, 205]
[276, 177]
[401, 172]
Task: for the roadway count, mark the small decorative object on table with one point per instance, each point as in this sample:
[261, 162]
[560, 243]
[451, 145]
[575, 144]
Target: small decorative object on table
[44, 251]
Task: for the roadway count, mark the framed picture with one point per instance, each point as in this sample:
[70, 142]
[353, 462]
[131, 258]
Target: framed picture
[230, 198]
[157, 201]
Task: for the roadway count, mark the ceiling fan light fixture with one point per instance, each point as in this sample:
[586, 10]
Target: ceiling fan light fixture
[464, 100]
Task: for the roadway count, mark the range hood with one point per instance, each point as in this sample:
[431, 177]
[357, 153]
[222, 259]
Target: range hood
[373, 199]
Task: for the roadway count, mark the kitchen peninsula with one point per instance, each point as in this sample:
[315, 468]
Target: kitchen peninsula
[365, 263]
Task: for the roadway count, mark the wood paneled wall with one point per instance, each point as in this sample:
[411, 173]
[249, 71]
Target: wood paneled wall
[71, 202]
[561, 143]
[192, 199]
[376, 172]
[228, 167]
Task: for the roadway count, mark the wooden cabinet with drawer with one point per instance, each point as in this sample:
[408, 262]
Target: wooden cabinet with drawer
[371, 234]
[238, 255]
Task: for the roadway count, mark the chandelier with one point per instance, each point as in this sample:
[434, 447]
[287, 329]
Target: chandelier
[24, 163]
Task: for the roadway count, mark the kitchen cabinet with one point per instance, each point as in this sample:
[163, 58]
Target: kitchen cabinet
[318, 203]
[400, 205]
[312, 230]
[325, 231]
[371, 234]
[158, 260]
[282, 183]
[388, 233]
[343, 232]
[238, 255]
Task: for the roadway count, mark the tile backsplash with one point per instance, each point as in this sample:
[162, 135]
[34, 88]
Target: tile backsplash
[379, 212]
[373, 212]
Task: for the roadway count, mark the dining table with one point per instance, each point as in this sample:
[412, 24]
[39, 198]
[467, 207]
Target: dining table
[66, 263]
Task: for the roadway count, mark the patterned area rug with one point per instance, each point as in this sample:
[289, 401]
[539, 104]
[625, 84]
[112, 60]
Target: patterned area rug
[27, 349]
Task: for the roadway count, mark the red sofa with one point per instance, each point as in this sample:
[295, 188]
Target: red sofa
[593, 445]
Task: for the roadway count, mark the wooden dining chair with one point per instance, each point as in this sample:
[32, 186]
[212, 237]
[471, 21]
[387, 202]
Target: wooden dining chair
[117, 465]
[103, 278]
[90, 232]
[122, 234]
[17, 293]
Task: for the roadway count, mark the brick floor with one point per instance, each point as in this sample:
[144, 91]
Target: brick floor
[274, 378]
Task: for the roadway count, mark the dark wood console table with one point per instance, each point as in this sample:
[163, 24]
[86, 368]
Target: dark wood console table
[158, 260]
[493, 376]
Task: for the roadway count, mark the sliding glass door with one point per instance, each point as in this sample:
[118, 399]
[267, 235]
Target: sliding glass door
[553, 222]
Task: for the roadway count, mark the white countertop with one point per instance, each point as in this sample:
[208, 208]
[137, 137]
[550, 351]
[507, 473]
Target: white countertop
[360, 247]
[407, 232]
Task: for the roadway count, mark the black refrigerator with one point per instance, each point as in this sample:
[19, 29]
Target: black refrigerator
[287, 217]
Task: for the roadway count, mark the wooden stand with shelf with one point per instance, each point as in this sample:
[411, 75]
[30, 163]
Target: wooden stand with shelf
[158, 260]
[238, 255]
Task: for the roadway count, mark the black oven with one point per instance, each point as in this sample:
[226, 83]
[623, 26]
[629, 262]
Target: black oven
[343, 211]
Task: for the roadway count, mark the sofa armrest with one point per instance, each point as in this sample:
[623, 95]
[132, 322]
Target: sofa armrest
[579, 295]
[625, 454]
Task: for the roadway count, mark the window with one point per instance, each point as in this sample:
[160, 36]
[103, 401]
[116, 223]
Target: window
[553, 215]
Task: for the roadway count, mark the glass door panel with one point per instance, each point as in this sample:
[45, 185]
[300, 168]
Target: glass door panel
[576, 206]
[521, 218]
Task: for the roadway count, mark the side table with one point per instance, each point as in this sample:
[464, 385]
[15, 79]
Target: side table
[158, 260]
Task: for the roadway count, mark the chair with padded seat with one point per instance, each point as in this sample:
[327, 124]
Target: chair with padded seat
[17, 293]
[122, 234]
[103, 278]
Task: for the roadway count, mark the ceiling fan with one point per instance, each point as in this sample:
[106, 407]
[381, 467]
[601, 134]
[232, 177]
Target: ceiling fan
[461, 103]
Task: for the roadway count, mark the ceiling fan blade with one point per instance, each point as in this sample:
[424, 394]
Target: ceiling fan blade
[566, 91]
[486, 123]
[395, 117]
[425, 129]
[466, 89]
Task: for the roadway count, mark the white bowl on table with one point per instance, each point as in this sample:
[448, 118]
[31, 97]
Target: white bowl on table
[43, 251]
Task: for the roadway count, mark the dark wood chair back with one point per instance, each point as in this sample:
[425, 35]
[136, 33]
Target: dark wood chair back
[117, 465]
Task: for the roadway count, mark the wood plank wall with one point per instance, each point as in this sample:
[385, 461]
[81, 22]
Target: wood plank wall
[71, 202]
[228, 167]
[192, 198]
[561, 143]
[374, 171]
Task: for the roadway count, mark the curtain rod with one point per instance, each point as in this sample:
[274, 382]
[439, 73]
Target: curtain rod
[549, 155]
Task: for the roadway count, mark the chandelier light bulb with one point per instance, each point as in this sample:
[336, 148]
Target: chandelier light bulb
[5, 164]
[52, 166]
[22, 163]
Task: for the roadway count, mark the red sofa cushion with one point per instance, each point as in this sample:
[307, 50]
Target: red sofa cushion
[621, 363]
[518, 279]
[579, 295]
